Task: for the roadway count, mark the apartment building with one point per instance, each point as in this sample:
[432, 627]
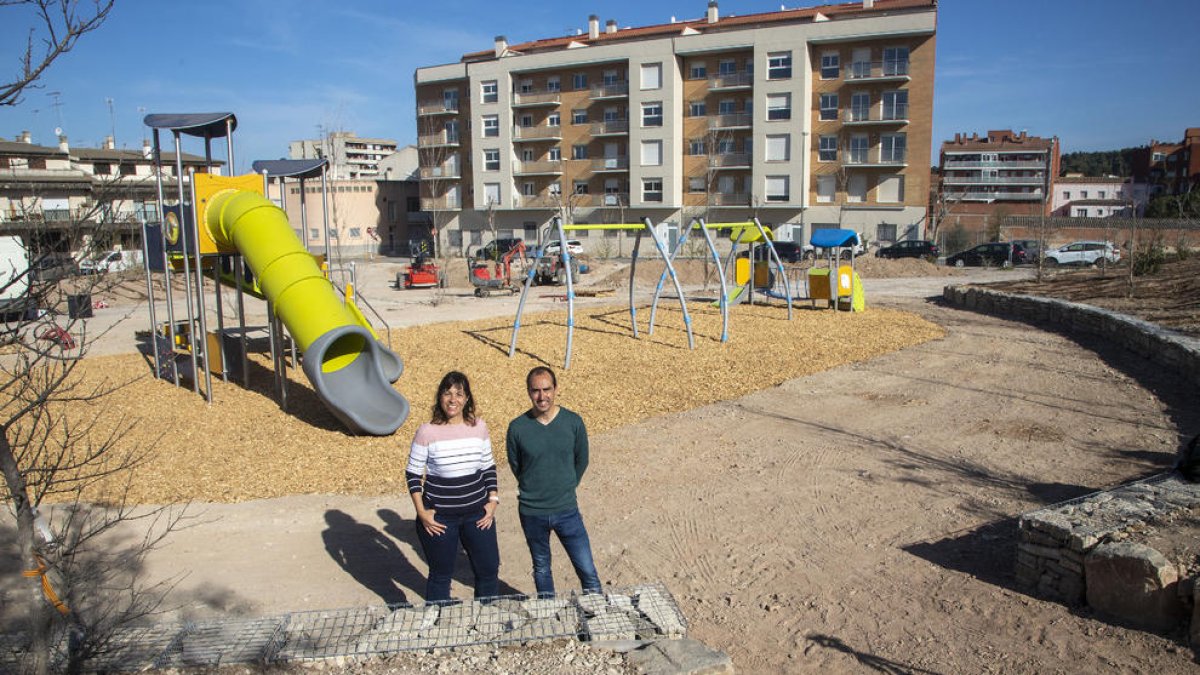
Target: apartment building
[57, 196]
[817, 116]
[984, 179]
[1169, 168]
[350, 157]
[1078, 196]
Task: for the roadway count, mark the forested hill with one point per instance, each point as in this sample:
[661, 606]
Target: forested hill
[1103, 163]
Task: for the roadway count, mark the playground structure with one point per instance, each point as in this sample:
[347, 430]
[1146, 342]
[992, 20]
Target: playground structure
[763, 277]
[226, 227]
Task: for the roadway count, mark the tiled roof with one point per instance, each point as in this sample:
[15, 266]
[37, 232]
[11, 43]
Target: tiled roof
[701, 25]
[21, 148]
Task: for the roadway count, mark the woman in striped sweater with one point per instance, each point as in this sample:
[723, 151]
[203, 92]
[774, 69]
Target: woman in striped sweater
[452, 481]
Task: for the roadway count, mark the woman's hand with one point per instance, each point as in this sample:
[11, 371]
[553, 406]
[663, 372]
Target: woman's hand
[433, 527]
[488, 518]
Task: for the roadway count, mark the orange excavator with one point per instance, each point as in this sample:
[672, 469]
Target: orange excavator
[488, 275]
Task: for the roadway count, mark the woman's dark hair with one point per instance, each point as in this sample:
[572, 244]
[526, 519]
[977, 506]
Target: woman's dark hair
[449, 381]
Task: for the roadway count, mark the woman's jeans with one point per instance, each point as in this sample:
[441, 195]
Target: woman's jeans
[441, 552]
[568, 525]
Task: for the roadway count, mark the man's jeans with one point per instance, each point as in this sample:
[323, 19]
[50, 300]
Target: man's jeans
[568, 525]
[441, 552]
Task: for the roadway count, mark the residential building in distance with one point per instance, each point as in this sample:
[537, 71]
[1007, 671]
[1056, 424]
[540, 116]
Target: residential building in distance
[1078, 196]
[1169, 168]
[60, 198]
[985, 179]
[350, 157]
[818, 117]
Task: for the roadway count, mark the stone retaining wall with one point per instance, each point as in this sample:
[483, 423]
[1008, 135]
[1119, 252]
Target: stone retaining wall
[1163, 347]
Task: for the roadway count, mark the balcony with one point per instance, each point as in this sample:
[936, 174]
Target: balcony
[984, 196]
[442, 140]
[544, 168]
[611, 90]
[877, 71]
[731, 82]
[444, 172]
[610, 128]
[531, 134]
[882, 160]
[734, 121]
[539, 201]
[993, 180]
[443, 203]
[732, 160]
[991, 164]
[610, 164]
[729, 199]
[891, 115]
[439, 107]
[530, 99]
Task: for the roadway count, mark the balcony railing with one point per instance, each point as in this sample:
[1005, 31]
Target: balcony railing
[992, 163]
[729, 198]
[734, 121]
[439, 107]
[897, 114]
[546, 167]
[863, 158]
[444, 172]
[437, 140]
[441, 203]
[537, 133]
[993, 180]
[610, 164]
[614, 90]
[731, 81]
[877, 70]
[531, 98]
[969, 195]
[540, 201]
[732, 160]
[610, 127]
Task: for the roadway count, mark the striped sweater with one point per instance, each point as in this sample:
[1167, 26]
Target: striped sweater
[452, 465]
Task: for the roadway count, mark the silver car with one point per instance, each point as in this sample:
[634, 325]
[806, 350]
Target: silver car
[1083, 253]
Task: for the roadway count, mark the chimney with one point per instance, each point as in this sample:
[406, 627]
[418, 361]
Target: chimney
[713, 14]
[147, 150]
[611, 26]
[25, 137]
[501, 45]
[62, 143]
[110, 143]
[868, 4]
[593, 27]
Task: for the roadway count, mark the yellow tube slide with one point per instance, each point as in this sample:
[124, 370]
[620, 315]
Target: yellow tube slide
[346, 365]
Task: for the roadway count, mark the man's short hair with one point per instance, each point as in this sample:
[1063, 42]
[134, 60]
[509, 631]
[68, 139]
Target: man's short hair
[540, 370]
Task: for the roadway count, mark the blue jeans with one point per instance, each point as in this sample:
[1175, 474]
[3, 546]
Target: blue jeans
[441, 552]
[568, 525]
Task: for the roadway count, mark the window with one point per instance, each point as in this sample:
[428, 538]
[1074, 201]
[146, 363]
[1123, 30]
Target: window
[829, 106]
[451, 131]
[651, 76]
[579, 81]
[828, 149]
[103, 169]
[652, 114]
[887, 232]
[859, 144]
[491, 192]
[652, 190]
[611, 77]
[893, 148]
[553, 119]
[528, 189]
[450, 99]
[1081, 213]
[696, 146]
[612, 115]
[895, 61]
[491, 160]
[526, 121]
[778, 148]
[314, 233]
[489, 91]
[696, 184]
[698, 71]
[895, 105]
[579, 152]
[779, 106]
[890, 189]
[779, 65]
[826, 189]
[579, 116]
[1083, 194]
[777, 188]
[555, 154]
[856, 188]
[652, 153]
[527, 155]
[491, 126]
[553, 83]
[525, 87]
[831, 64]
[1101, 195]
[555, 189]
[726, 67]
[581, 187]
[697, 109]
[726, 146]
[860, 107]
[1066, 194]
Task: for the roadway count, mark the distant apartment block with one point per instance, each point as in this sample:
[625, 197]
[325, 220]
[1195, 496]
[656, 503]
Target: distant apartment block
[985, 178]
[350, 157]
[1169, 168]
[1077, 196]
[814, 116]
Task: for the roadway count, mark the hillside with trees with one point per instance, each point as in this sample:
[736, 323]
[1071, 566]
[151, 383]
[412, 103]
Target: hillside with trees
[1101, 163]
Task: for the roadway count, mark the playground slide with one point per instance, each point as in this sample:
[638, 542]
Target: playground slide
[737, 295]
[349, 369]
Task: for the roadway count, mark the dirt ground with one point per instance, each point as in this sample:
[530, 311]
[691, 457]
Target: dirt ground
[860, 518]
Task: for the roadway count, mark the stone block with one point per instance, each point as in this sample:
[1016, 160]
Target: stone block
[1134, 583]
[614, 625]
[656, 607]
[543, 608]
[681, 657]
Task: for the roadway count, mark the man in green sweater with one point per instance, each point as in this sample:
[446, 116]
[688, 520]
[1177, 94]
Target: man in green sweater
[548, 453]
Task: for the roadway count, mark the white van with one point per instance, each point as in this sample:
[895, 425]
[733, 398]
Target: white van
[14, 274]
[110, 261]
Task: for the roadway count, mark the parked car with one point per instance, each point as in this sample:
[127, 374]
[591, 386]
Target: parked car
[1033, 248]
[788, 251]
[1083, 253]
[574, 247]
[110, 261]
[996, 253]
[916, 248]
[53, 267]
[495, 250]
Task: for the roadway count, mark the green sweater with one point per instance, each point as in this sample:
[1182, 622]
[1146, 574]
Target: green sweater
[548, 461]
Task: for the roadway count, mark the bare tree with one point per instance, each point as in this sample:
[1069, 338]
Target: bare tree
[57, 25]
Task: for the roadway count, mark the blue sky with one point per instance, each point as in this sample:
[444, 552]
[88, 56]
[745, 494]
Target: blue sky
[1099, 74]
